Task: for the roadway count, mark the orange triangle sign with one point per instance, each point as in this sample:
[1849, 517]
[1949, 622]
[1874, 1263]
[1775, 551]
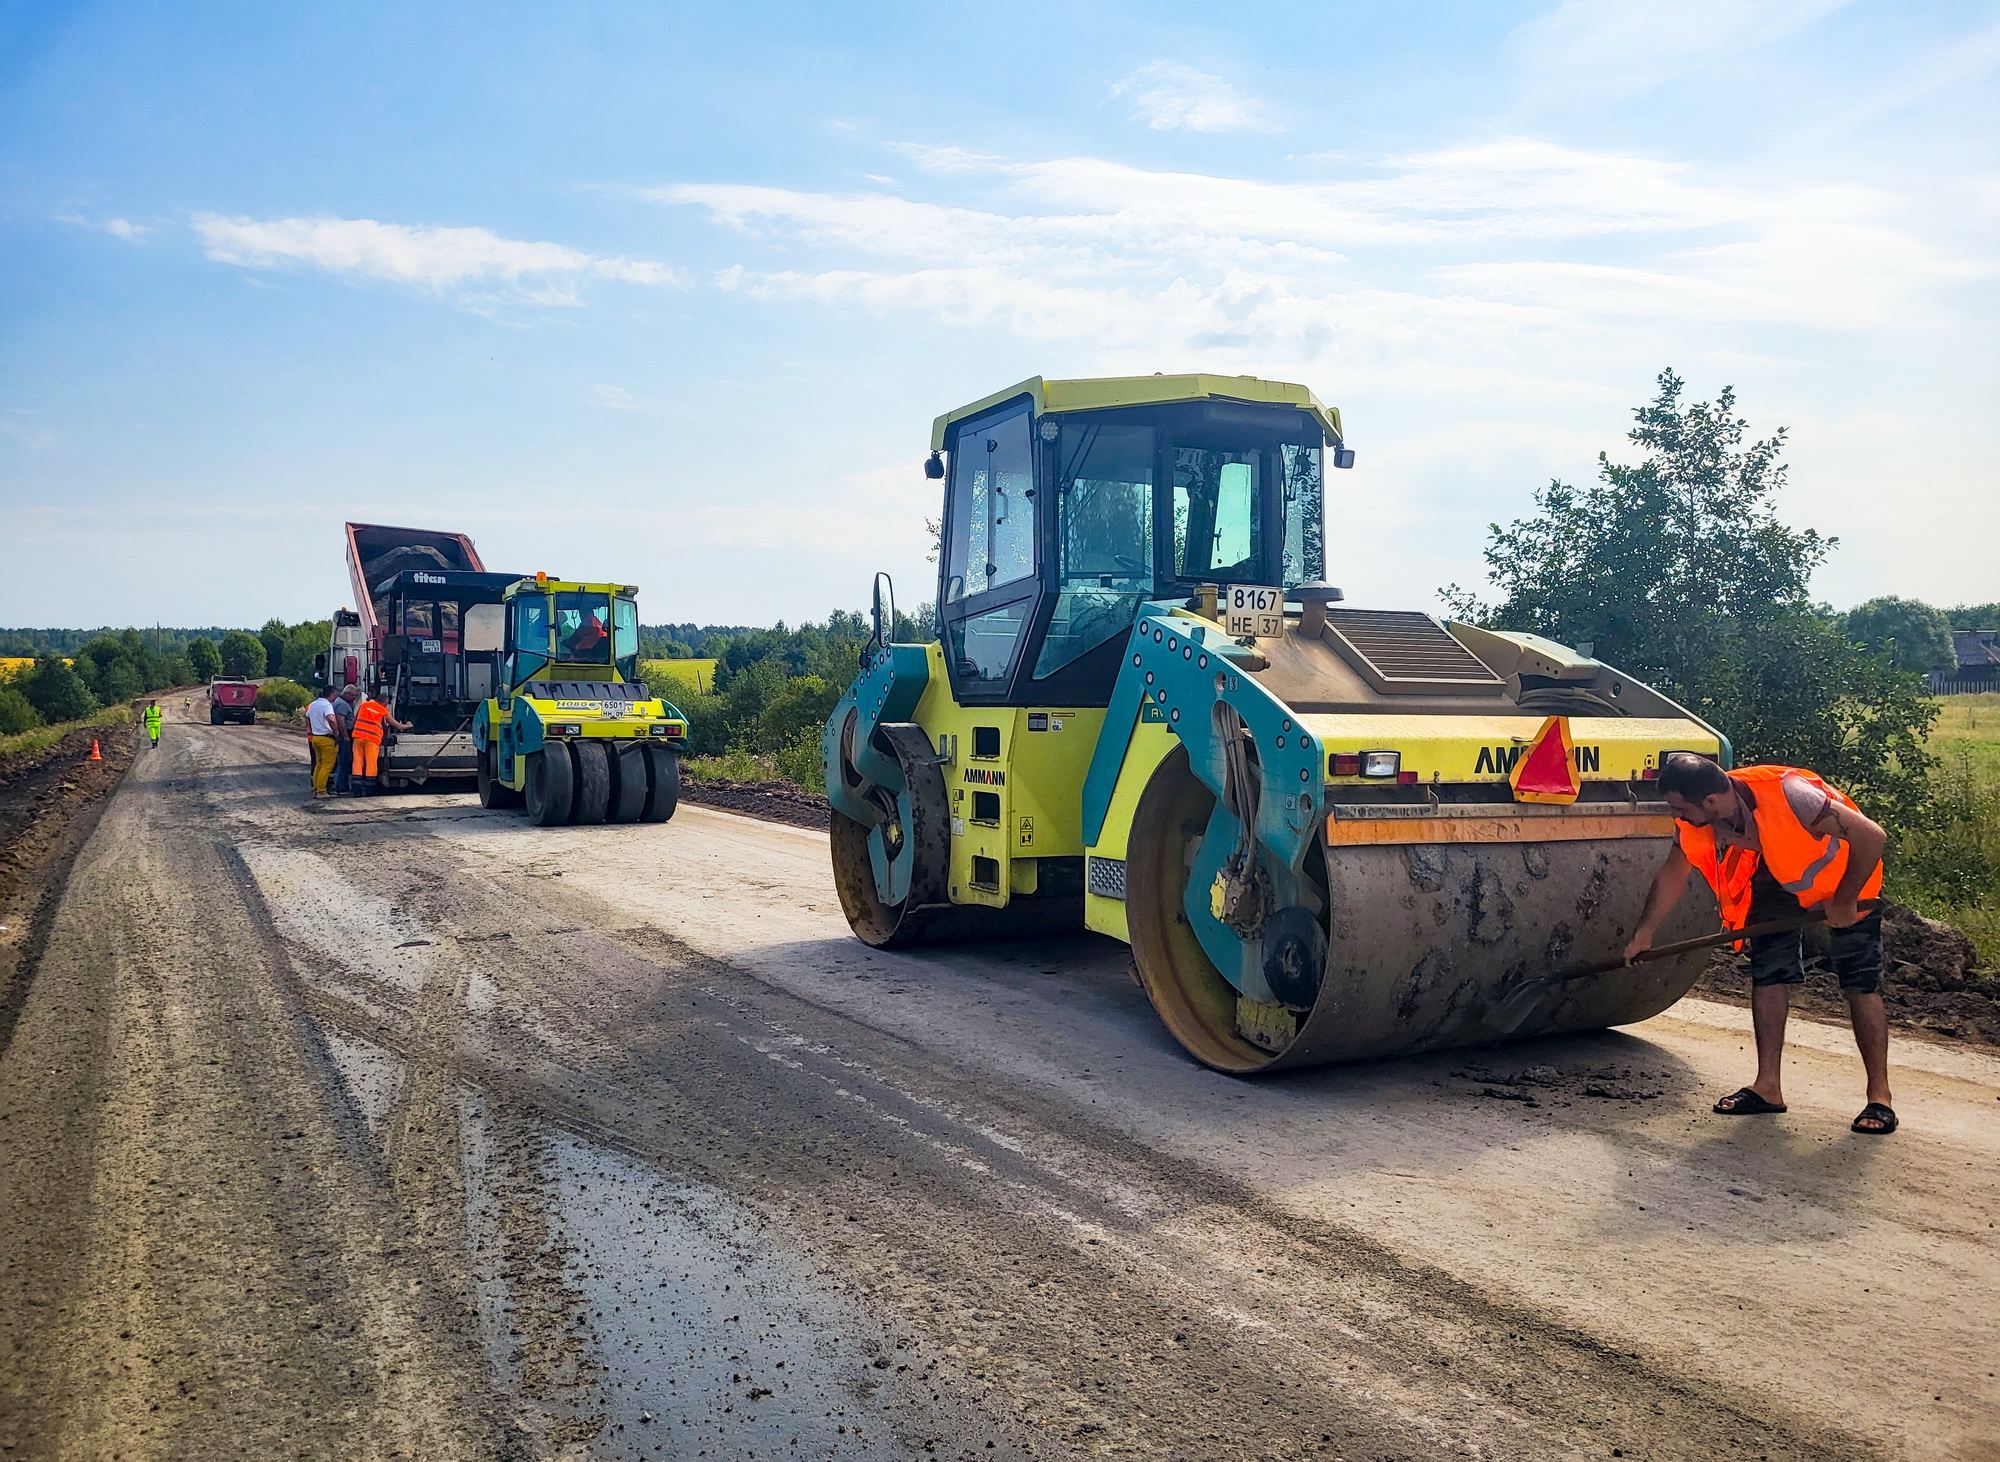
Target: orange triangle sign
[1546, 771]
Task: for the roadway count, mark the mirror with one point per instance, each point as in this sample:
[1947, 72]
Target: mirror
[1343, 456]
[934, 466]
[884, 609]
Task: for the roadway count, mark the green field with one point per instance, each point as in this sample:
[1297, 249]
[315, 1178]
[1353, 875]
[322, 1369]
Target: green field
[1966, 740]
[689, 677]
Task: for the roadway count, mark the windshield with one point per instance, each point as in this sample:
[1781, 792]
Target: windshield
[583, 628]
[1104, 538]
[1217, 525]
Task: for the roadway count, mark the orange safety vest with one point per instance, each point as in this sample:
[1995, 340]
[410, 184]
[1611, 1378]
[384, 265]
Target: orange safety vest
[1809, 868]
[368, 721]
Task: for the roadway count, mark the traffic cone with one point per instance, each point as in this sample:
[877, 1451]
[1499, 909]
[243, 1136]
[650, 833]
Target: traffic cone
[95, 754]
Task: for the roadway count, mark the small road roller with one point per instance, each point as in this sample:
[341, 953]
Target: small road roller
[1327, 832]
[573, 734]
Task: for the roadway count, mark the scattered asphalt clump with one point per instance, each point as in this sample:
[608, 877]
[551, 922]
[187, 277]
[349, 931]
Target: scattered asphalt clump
[771, 801]
[1534, 1085]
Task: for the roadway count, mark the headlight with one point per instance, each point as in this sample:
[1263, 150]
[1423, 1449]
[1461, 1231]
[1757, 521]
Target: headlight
[1388, 764]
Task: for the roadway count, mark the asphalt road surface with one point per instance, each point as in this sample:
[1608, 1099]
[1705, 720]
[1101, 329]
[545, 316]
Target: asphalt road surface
[401, 1129]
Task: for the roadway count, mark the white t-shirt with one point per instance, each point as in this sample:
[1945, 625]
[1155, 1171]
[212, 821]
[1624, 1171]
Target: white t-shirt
[319, 716]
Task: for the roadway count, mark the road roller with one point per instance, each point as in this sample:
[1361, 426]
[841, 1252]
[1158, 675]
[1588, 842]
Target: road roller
[1327, 832]
[573, 735]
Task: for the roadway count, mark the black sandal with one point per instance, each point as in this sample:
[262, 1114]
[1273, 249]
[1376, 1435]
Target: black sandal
[1746, 1103]
[1877, 1113]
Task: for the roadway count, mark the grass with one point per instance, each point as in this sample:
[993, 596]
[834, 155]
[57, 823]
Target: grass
[688, 677]
[1967, 739]
[27, 743]
[731, 766]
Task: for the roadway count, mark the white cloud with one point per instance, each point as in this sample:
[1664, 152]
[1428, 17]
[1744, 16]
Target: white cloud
[118, 228]
[1171, 97]
[1625, 47]
[435, 258]
[616, 397]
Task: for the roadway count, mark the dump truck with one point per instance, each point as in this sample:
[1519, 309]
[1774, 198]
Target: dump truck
[572, 734]
[1327, 832]
[424, 634]
[232, 698]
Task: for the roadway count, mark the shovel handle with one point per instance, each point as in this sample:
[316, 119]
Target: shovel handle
[1785, 925]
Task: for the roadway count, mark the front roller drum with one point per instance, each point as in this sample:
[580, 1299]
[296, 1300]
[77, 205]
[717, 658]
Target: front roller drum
[923, 835]
[1427, 946]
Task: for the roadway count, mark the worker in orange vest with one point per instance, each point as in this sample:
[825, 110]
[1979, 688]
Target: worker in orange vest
[370, 719]
[1771, 841]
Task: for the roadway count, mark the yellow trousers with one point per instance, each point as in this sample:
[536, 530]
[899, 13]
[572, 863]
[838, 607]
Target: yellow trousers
[324, 749]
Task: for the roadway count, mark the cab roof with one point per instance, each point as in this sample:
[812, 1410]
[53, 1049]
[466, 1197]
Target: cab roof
[1101, 392]
[529, 584]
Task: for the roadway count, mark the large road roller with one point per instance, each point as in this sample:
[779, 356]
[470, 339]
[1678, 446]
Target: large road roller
[1327, 832]
[573, 735]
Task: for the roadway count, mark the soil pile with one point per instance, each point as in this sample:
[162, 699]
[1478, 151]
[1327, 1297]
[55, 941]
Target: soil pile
[1932, 980]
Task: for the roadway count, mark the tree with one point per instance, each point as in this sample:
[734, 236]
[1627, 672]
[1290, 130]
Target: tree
[1974, 616]
[1658, 564]
[57, 692]
[273, 636]
[204, 659]
[1912, 634]
[1677, 570]
[242, 654]
[303, 644]
[121, 681]
[16, 714]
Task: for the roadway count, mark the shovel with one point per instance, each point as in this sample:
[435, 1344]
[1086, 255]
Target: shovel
[1514, 1009]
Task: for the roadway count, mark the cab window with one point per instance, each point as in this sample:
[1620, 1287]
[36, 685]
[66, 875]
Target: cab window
[1104, 539]
[1305, 515]
[992, 509]
[625, 637]
[1217, 527]
[583, 628]
[531, 637]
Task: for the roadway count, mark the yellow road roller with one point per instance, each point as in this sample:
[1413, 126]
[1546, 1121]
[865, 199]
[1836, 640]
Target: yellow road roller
[1328, 832]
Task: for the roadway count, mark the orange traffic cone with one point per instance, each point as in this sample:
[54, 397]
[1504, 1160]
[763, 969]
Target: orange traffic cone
[95, 754]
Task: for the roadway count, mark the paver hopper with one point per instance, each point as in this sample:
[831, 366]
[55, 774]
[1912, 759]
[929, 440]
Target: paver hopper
[1327, 833]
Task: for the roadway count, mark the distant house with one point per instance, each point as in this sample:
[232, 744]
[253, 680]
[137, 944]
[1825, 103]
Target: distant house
[1978, 665]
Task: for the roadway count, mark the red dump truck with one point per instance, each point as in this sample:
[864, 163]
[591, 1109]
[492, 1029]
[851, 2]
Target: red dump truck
[232, 698]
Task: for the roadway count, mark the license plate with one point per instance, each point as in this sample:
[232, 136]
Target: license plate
[1252, 611]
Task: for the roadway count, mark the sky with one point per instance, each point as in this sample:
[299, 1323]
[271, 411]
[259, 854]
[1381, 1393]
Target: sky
[669, 294]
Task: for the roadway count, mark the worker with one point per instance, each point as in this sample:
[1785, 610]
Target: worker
[583, 642]
[344, 706]
[152, 719]
[371, 717]
[1771, 841]
[321, 733]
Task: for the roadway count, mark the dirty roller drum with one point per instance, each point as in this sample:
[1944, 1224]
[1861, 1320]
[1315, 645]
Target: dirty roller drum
[1409, 948]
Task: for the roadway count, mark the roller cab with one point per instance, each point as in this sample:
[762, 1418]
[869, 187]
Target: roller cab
[573, 734]
[1327, 832]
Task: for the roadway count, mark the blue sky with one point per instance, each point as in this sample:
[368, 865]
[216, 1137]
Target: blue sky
[669, 294]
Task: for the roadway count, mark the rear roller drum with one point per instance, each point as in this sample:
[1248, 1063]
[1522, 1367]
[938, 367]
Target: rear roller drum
[551, 785]
[663, 783]
[628, 781]
[593, 781]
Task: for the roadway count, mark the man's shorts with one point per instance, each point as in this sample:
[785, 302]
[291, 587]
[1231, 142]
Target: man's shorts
[1774, 958]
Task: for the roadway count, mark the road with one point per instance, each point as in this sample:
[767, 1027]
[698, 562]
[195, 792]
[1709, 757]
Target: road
[401, 1129]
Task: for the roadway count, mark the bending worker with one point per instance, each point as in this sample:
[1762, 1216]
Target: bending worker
[1772, 841]
[370, 717]
[152, 719]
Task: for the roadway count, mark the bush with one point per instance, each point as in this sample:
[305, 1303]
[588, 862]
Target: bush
[708, 723]
[57, 692]
[800, 709]
[1952, 860]
[800, 761]
[16, 715]
[285, 697]
[204, 659]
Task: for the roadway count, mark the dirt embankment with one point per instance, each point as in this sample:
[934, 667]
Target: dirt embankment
[772, 801]
[1932, 982]
[49, 800]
